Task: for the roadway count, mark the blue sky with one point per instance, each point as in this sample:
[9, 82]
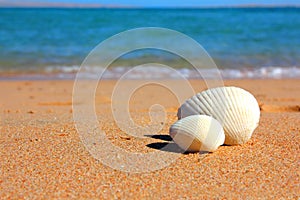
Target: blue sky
[167, 3]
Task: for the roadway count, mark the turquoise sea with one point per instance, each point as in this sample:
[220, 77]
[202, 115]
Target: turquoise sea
[244, 42]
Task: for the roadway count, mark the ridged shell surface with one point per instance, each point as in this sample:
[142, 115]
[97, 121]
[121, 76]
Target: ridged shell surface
[235, 108]
[198, 133]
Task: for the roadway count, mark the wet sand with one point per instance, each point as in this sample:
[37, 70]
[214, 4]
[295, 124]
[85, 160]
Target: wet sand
[42, 155]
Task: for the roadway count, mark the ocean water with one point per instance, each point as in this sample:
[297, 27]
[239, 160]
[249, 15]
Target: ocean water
[243, 42]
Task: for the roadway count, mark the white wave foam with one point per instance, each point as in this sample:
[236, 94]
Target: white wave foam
[69, 72]
[159, 73]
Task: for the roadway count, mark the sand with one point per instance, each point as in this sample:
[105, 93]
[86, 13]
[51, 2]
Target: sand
[42, 155]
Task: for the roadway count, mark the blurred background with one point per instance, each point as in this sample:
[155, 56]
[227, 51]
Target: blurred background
[246, 39]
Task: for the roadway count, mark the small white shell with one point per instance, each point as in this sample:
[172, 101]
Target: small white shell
[235, 108]
[198, 133]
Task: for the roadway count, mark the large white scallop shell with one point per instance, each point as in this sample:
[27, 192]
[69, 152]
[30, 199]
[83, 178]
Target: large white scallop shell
[198, 133]
[235, 108]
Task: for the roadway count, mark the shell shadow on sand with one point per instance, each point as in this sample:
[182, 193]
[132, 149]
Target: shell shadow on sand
[168, 145]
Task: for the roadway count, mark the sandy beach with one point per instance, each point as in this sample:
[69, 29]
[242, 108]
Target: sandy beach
[43, 157]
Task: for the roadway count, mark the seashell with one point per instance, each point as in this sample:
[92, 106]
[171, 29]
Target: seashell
[235, 108]
[198, 133]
